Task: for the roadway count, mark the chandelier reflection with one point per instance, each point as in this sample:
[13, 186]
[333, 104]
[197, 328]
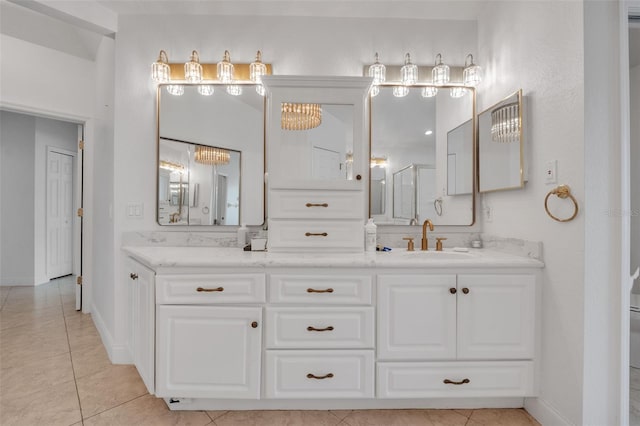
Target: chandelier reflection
[211, 155]
[505, 123]
[300, 116]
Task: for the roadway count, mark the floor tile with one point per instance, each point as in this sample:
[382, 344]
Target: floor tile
[502, 417]
[53, 405]
[32, 346]
[214, 414]
[89, 360]
[28, 378]
[466, 413]
[341, 414]
[147, 410]
[388, 418]
[447, 418]
[106, 389]
[83, 337]
[277, 418]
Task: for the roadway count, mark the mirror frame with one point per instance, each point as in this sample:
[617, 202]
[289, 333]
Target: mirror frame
[264, 156]
[474, 148]
[519, 96]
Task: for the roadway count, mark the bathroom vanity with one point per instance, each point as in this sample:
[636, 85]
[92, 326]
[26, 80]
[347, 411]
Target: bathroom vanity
[220, 328]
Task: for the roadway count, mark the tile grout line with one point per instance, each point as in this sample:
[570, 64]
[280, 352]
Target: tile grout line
[115, 406]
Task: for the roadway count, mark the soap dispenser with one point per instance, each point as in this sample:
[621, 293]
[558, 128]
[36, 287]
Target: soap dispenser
[370, 236]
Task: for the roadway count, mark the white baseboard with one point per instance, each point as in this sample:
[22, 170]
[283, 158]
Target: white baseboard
[118, 353]
[544, 412]
[19, 281]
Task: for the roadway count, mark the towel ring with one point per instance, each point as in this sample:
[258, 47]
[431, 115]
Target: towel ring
[562, 191]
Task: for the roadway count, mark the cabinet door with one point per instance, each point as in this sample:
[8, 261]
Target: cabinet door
[416, 317]
[141, 280]
[496, 316]
[209, 352]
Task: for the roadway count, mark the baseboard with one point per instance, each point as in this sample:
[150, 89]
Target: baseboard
[118, 353]
[17, 282]
[544, 412]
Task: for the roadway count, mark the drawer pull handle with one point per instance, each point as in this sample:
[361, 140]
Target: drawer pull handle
[315, 234]
[451, 382]
[313, 290]
[465, 290]
[133, 276]
[453, 290]
[310, 328]
[317, 205]
[208, 290]
[313, 376]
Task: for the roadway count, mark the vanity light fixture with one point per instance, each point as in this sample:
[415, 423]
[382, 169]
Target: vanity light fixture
[400, 91]
[379, 73]
[256, 70]
[429, 91]
[379, 162]
[206, 89]
[225, 69]
[408, 72]
[505, 123]
[175, 89]
[472, 73]
[300, 116]
[193, 69]
[458, 92]
[211, 155]
[160, 71]
[440, 72]
[234, 89]
[171, 166]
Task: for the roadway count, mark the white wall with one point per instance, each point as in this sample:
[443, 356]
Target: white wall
[17, 142]
[635, 171]
[538, 46]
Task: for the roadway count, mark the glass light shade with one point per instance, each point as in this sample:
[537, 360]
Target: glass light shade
[234, 89]
[408, 72]
[300, 116]
[206, 89]
[175, 89]
[261, 90]
[440, 72]
[225, 69]
[374, 91]
[211, 155]
[505, 123]
[193, 69]
[472, 74]
[400, 91]
[160, 71]
[257, 69]
[458, 92]
[378, 71]
[429, 92]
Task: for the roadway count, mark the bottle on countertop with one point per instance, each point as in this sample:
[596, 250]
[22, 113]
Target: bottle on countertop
[370, 236]
[242, 235]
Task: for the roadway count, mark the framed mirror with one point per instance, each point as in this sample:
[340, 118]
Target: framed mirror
[501, 145]
[413, 139]
[210, 155]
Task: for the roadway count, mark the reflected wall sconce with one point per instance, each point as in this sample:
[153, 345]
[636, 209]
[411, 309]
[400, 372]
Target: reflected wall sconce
[379, 162]
[175, 89]
[379, 74]
[206, 89]
[171, 166]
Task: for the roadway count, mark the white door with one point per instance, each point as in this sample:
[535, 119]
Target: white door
[416, 317]
[326, 164]
[60, 192]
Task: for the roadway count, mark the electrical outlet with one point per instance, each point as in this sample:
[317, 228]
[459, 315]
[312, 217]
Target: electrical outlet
[551, 172]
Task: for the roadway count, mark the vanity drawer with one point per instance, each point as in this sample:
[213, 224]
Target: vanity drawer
[321, 289]
[319, 374]
[320, 328]
[210, 289]
[316, 204]
[471, 379]
[297, 235]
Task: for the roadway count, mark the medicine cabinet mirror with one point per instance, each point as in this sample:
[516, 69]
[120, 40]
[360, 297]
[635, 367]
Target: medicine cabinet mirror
[501, 145]
[422, 150]
[210, 156]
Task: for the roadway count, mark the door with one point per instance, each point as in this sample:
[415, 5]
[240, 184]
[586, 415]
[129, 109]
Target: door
[208, 352]
[60, 193]
[221, 200]
[326, 164]
[416, 317]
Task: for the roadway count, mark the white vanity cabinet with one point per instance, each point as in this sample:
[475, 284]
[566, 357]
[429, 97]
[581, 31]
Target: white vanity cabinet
[463, 335]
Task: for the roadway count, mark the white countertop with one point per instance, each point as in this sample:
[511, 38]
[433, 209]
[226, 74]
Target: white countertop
[159, 257]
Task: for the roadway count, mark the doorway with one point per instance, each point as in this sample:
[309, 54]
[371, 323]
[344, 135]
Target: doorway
[60, 208]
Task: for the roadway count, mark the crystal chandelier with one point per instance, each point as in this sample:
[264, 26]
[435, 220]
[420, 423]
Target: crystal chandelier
[300, 116]
[211, 155]
[505, 123]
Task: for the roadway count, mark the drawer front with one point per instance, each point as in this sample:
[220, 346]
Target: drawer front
[320, 328]
[319, 374]
[320, 289]
[210, 289]
[342, 235]
[465, 379]
[316, 204]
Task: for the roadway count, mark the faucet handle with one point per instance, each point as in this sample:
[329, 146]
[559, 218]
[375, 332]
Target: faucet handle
[410, 243]
[439, 243]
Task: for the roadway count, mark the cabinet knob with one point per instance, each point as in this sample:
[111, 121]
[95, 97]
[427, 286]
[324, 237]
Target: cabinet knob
[465, 290]
[451, 382]
[453, 290]
[254, 324]
[358, 177]
[133, 276]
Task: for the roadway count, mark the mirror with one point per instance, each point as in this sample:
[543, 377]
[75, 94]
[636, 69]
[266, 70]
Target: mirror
[413, 139]
[501, 145]
[210, 157]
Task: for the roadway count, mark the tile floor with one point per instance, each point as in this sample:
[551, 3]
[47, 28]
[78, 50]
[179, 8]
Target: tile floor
[55, 371]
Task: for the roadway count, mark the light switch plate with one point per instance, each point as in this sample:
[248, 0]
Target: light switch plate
[551, 172]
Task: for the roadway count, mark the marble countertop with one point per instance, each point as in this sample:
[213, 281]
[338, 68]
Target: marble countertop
[162, 257]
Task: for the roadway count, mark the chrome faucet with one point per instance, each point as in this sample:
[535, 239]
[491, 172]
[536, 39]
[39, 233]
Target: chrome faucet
[425, 242]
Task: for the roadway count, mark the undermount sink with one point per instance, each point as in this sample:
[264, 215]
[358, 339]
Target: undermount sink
[432, 254]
